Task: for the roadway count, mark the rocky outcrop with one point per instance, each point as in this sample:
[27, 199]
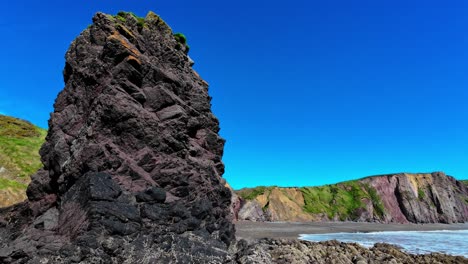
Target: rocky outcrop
[400, 198]
[276, 204]
[235, 204]
[294, 251]
[132, 161]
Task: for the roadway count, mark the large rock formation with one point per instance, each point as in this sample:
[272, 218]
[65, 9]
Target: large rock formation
[400, 198]
[132, 160]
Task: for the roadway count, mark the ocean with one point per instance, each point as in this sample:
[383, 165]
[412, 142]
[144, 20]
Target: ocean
[452, 242]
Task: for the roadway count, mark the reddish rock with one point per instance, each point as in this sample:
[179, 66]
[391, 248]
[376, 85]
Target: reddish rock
[421, 198]
[403, 198]
[132, 161]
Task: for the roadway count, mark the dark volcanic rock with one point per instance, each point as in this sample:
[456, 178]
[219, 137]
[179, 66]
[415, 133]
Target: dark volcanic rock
[132, 162]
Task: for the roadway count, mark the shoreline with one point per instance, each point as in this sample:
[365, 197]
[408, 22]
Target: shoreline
[292, 230]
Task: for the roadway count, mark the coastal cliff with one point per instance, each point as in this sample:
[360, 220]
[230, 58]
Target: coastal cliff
[399, 198]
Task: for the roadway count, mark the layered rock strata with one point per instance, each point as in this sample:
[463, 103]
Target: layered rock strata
[394, 198]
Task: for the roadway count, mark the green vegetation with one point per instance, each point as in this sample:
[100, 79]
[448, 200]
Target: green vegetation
[20, 142]
[4, 183]
[421, 194]
[252, 193]
[464, 182]
[343, 200]
[122, 17]
[376, 201]
[182, 40]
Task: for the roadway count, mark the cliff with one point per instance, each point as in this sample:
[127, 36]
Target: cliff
[132, 160]
[399, 198]
[19, 157]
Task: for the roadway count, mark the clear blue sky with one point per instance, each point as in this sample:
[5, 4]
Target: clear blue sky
[307, 92]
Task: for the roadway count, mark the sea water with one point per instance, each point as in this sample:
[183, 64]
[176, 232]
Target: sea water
[452, 242]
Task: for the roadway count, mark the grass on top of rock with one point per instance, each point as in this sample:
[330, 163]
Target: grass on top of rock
[122, 17]
[20, 142]
[252, 193]
[182, 40]
[343, 201]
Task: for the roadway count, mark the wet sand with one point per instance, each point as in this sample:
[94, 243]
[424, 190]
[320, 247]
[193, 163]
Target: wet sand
[291, 230]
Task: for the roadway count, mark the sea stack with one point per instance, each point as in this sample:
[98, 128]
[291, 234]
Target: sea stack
[132, 161]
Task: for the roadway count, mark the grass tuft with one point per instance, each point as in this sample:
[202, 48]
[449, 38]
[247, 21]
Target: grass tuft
[421, 194]
[182, 41]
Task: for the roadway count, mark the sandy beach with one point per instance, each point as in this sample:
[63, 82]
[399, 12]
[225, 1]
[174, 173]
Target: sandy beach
[292, 230]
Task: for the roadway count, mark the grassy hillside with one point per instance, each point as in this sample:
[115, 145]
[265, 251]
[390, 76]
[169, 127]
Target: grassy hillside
[343, 200]
[252, 193]
[20, 142]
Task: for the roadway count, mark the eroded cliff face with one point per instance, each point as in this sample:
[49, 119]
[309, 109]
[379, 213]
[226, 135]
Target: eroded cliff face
[275, 204]
[422, 198]
[132, 160]
[400, 198]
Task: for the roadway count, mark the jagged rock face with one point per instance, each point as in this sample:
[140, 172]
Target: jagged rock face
[422, 198]
[235, 204]
[132, 162]
[252, 211]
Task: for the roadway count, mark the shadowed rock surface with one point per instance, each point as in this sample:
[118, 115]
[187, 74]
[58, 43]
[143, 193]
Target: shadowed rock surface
[393, 198]
[132, 160]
